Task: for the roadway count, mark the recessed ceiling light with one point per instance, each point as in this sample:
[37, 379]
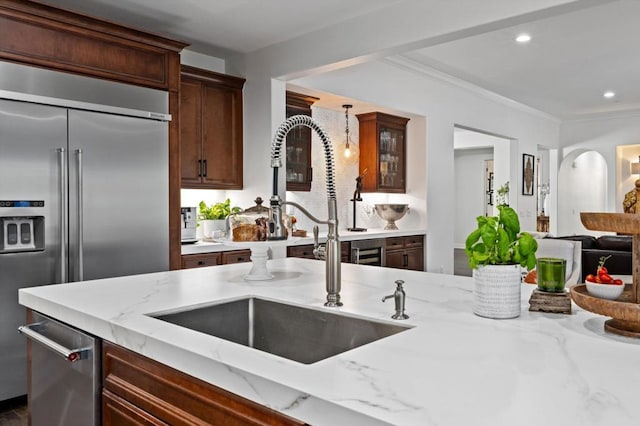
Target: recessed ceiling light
[609, 94]
[523, 38]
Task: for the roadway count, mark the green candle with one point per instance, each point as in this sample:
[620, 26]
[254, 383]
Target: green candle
[551, 273]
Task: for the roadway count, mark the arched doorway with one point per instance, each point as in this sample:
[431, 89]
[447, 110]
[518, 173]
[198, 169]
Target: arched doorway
[582, 187]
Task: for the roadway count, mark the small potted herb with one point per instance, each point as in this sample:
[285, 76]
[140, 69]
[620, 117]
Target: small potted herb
[214, 217]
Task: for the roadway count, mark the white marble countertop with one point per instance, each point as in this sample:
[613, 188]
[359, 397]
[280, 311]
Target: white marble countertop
[344, 235]
[453, 368]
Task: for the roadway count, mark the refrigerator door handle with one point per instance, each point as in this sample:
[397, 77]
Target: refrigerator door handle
[62, 163]
[80, 218]
[70, 355]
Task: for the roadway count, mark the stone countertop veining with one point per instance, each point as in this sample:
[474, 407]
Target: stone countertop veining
[211, 247]
[452, 368]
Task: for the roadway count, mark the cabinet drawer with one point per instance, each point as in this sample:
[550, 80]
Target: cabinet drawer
[236, 256]
[305, 251]
[414, 241]
[395, 243]
[119, 412]
[201, 260]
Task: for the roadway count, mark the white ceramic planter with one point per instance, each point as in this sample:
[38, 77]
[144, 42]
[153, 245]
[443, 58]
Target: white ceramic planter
[213, 228]
[496, 291]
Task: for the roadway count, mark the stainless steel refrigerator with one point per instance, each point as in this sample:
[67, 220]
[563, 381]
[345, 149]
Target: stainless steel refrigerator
[83, 192]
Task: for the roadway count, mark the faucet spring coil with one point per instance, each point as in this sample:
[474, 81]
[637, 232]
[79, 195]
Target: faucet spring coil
[305, 120]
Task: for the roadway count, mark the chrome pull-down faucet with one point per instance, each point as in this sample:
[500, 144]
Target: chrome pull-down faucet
[276, 224]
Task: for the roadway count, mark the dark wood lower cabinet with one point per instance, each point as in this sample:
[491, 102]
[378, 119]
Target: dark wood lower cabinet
[405, 252]
[141, 391]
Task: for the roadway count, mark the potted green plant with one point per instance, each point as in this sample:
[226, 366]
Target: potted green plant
[496, 250]
[214, 217]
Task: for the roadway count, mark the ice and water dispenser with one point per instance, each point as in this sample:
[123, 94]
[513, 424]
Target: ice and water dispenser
[21, 233]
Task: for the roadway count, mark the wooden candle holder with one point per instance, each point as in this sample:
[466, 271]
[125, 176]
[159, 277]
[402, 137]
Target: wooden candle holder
[557, 303]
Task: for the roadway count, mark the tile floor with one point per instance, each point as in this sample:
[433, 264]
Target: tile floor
[14, 412]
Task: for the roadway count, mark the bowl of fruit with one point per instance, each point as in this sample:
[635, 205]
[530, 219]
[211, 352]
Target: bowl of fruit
[603, 285]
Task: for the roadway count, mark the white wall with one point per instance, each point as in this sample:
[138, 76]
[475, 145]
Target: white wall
[444, 105]
[333, 123]
[584, 178]
[469, 190]
[606, 137]
[198, 60]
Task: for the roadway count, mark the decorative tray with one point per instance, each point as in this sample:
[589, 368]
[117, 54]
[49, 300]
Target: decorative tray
[624, 313]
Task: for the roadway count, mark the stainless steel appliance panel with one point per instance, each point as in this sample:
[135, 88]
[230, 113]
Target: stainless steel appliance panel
[30, 136]
[124, 195]
[65, 374]
[368, 252]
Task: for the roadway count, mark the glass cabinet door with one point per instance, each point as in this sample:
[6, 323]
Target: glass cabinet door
[298, 144]
[391, 159]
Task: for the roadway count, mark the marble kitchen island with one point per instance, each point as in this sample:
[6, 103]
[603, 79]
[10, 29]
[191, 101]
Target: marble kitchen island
[451, 368]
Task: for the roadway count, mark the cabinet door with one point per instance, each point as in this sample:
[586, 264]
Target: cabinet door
[298, 144]
[395, 259]
[222, 137]
[201, 260]
[391, 158]
[210, 130]
[414, 259]
[190, 132]
[382, 152]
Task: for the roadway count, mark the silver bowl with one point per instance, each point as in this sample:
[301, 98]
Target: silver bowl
[391, 213]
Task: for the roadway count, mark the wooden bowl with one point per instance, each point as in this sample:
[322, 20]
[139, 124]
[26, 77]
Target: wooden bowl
[624, 313]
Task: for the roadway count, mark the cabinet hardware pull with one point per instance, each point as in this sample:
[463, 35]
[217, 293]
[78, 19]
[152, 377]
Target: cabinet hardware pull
[204, 174]
[406, 259]
[199, 168]
[71, 355]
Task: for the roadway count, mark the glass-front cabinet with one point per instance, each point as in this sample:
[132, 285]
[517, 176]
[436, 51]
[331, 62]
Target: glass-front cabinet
[298, 149]
[382, 152]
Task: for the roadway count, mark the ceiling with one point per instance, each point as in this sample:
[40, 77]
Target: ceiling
[573, 57]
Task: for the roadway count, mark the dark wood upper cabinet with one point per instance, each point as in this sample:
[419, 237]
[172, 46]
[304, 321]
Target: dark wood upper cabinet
[210, 129]
[383, 152]
[42, 35]
[298, 145]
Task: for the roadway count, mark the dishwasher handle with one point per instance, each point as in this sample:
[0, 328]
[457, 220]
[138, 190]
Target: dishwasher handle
[70, 355]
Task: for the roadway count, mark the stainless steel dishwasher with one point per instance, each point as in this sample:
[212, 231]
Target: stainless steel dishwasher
[64, 374]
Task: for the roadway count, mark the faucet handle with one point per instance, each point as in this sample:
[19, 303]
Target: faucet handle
[318, 250]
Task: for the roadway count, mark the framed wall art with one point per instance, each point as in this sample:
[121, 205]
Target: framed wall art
[528, 165]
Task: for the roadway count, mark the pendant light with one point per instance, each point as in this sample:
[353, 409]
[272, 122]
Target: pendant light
[350, 152]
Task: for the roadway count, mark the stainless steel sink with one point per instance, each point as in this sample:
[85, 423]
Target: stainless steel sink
[298, 333]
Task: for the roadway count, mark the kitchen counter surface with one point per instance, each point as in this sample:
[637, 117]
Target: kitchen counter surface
[344, 235]
[451, 368]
